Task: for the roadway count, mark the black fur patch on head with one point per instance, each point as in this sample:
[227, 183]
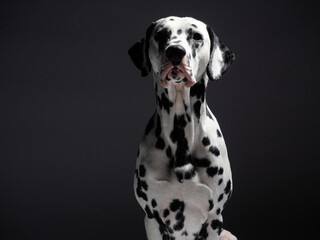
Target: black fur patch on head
[190, 34]
[161, 37]
[193, 48]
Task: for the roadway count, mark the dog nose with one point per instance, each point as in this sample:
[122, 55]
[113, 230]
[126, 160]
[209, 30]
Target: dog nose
[175, 54]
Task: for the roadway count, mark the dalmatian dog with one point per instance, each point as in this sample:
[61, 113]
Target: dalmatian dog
[183, 177]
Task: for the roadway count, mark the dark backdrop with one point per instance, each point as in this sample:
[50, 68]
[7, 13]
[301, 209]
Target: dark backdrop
[73, 109]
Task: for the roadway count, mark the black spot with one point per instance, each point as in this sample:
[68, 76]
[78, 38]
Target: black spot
[212, 171]
[190, 174]
[159, 101]
[160, 143]
[144, 185]
[176, 204]
[214, 150]
[154, 203]
[190, 33]
[166, 103]
[168, 222]
[177, 136]
[158, 128]
[166, 213]
[210, 204]
[220, 171]
[184, 233]
[142, 171]
[149, 126]
[169, 152]
[174, 37]
[196, 108]
[193, 25]
[148, 212]
[205, 141]
[216, 225]
[162, 37]
[219, 133]
[179, 176]
[193, 48]
[171, 19]
[179, 31]
[178, 128]
[141, 194]
[198, 90]
[228, 187]
[179, 224]
[218, 211]
[201, 162]
[220, 197]
[179, 215]
[220, 181]
[203, 234]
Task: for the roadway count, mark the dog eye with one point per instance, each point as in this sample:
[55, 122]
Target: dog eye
[197, 36]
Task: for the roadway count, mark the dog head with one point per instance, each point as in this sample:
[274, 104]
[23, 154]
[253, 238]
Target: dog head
[181, 50]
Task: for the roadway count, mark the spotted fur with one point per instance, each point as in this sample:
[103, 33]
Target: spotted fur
[183, 177]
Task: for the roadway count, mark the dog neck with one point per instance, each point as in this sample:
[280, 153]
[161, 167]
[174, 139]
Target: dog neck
[181, 110]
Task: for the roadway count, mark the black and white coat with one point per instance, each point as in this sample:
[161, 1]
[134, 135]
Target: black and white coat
[183, 177]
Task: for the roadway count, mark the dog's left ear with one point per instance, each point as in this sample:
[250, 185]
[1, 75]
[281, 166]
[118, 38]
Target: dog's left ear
[139, 53]
[220, 57]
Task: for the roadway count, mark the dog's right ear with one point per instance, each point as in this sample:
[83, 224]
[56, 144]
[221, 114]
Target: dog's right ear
[139, 53]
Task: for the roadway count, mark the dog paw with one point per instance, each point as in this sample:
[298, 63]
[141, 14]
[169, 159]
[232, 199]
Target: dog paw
[226, 235]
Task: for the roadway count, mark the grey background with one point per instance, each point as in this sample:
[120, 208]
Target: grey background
[73, 110]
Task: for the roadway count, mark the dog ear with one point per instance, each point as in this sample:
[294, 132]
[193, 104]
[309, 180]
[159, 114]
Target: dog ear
[220, 57]
[139, 53]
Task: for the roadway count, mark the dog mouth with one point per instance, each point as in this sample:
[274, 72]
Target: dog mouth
[176, 74]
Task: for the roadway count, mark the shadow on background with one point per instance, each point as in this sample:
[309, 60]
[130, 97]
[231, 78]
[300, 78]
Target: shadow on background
[73, 109]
